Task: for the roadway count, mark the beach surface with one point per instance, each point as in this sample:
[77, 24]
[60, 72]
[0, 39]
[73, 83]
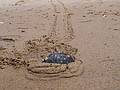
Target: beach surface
[87, 29]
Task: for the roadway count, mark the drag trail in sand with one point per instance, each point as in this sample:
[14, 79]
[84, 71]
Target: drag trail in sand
[44, 45]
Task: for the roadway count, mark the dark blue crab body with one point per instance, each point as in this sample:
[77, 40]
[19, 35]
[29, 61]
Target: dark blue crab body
[59, 58]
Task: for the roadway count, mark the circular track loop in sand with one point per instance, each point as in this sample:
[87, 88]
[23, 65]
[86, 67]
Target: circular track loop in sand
[46, 71]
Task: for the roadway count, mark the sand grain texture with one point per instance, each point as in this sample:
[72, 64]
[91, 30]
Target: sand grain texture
[88, 29]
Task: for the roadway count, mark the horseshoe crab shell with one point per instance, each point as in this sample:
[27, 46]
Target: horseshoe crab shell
[59, 58]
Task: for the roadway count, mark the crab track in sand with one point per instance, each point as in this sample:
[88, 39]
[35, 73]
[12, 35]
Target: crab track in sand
[54, 71]
[37, 49]
[66, 20]
[41, 71]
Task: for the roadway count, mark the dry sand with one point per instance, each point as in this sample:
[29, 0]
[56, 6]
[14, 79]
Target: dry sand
[88, 29]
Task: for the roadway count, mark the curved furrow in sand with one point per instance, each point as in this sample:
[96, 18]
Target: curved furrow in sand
[45, 71]
[61, 14]
[68, 28]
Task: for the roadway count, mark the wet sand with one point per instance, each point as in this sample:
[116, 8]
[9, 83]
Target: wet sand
[87, 29]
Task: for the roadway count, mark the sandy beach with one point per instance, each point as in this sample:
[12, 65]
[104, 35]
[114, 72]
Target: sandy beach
[87, 29]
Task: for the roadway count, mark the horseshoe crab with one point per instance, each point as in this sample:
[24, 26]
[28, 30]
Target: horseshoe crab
[59, 58]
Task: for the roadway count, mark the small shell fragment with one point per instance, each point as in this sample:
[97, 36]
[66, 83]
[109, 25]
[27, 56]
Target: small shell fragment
[1, 22]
